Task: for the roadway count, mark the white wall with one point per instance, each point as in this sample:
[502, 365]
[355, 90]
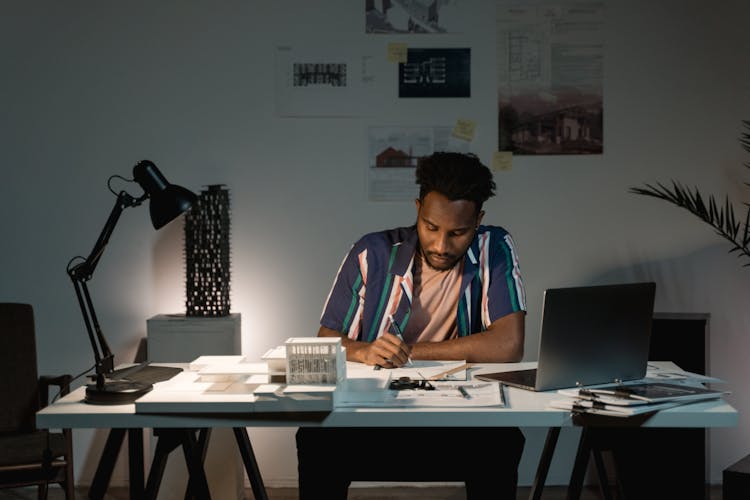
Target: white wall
[89, 88]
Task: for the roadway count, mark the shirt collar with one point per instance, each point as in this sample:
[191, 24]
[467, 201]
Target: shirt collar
[409, 246]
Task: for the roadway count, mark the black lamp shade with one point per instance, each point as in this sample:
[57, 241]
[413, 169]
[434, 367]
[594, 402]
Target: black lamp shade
[168, 201]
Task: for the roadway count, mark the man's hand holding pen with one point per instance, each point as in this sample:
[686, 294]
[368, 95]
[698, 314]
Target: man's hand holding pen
[397, 331]
[389, 351]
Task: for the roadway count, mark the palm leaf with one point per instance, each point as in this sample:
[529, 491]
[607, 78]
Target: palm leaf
[720, 217]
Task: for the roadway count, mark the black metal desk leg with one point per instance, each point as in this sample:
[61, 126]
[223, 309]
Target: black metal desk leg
[167, 441]
[106, 465]
[204, 435]
[602, 473]
[544, 461]
[135, 462]
[579, 467]
[251, 466]
[197, 481]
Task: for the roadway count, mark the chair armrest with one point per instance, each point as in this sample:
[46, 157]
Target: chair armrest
[45, 381]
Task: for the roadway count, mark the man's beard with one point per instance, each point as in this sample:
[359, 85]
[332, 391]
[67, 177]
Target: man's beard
[447, 267]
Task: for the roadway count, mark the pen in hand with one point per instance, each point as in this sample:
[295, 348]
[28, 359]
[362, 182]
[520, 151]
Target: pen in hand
[397, 330]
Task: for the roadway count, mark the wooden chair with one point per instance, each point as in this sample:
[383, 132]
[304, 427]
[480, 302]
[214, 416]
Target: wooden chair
[29, 456]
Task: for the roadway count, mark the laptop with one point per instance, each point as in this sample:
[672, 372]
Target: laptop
[589, 335]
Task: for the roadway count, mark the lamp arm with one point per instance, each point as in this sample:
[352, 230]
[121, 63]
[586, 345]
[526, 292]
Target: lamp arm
[83, 271]
[104, 359]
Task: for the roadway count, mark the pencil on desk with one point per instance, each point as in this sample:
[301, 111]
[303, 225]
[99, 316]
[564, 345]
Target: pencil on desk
[456, 369]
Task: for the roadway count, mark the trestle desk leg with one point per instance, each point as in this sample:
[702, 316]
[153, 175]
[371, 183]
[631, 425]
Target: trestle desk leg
[203, 436]
[579, 467]
[602, 473]
[198, 484]
[135, 462]
[166, 442]
[544, 462]
[251, 465]
[106, 465]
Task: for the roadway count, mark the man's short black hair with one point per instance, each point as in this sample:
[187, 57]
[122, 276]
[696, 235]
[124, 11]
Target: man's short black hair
[457, 176]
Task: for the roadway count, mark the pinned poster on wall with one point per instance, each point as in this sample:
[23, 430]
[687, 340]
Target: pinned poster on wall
[550, 67]
[416, 18]
[326, 79]
[435, 72]
[394, 153]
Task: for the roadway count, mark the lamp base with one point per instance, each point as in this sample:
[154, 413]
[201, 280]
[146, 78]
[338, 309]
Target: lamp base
[116, 392]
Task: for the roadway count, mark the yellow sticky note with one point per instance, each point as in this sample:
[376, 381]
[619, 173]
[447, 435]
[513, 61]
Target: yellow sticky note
[397, 52]
[502, 160]
[464, 129]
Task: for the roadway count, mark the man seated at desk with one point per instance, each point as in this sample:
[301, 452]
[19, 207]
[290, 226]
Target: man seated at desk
[445, 288]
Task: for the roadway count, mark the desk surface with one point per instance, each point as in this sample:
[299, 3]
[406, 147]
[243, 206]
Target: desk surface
[524, 409]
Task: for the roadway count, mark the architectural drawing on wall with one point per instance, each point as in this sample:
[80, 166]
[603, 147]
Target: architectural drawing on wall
[435, 73]
[324, 79]
[394, 153]
[550, 77]
[416, 16]
[333, 74]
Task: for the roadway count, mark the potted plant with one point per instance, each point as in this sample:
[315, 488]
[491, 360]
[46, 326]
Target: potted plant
[719, 216]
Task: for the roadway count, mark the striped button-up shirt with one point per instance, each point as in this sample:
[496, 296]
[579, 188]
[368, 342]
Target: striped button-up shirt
[375, 280]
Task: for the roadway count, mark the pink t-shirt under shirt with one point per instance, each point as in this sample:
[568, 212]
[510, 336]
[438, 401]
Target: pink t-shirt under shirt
[434, 303]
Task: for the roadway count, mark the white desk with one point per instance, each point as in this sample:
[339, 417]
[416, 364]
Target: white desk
[524, 409]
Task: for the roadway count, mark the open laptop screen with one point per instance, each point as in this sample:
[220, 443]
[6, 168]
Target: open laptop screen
[591, 335]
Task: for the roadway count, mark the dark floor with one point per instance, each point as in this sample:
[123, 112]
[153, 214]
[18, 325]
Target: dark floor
[380, 493]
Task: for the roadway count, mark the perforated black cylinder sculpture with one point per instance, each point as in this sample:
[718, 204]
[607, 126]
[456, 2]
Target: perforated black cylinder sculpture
[207, 254]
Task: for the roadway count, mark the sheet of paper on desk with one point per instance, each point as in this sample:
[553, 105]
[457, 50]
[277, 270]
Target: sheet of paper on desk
[237, 397]
[188, 381]
[444, 395]
[203, 361]
[655, 371]
[479, 394]
[363, 384]
[432, 370]
[232, 371]
[184, 396]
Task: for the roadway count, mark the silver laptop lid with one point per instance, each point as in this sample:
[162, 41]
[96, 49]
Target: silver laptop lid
[594, 334]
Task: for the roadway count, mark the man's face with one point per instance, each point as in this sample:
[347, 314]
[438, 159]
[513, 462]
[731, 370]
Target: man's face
[446, 229]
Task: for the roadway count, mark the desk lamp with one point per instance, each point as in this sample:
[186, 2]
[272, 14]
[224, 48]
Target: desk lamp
[168, 201]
